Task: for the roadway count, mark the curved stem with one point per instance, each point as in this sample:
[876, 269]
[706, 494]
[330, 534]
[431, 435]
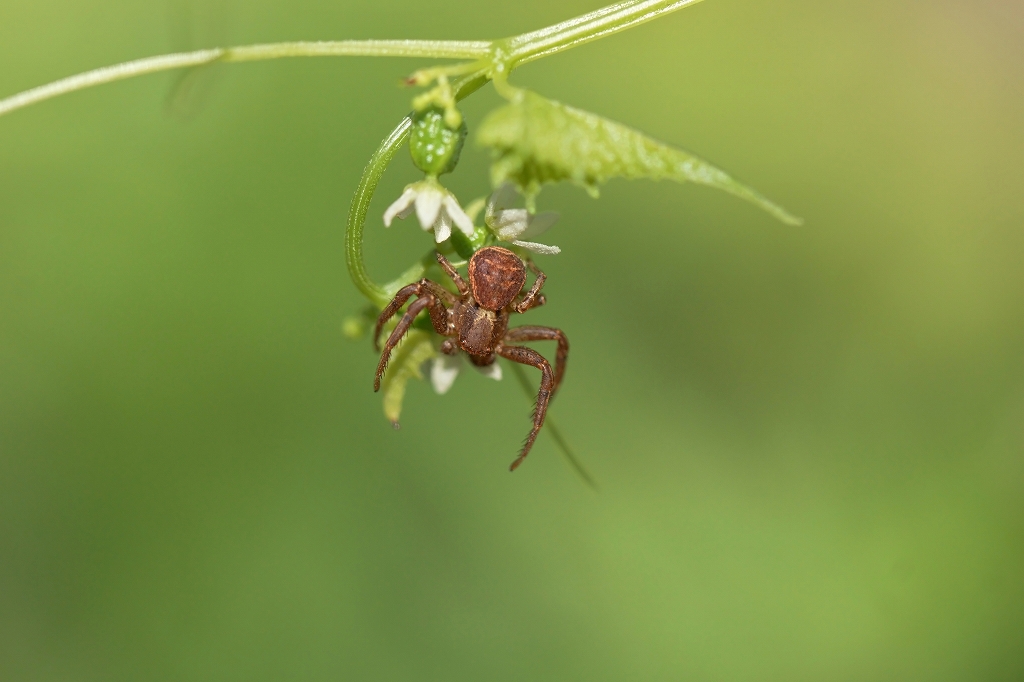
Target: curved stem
[360, 205]
[381, 295]
[435, 49]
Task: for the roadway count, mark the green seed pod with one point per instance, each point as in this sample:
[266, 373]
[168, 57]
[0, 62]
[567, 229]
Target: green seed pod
[467, 246]
[434, 145]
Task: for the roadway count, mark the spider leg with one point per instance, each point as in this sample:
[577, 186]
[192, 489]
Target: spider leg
[425, 301]
[524, 305]
[533, 298]
[528, 356]
[460, 283]
[438, 313]
[533, 333]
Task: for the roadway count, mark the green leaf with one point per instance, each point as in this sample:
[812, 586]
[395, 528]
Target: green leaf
[536, 141]
[405, 364]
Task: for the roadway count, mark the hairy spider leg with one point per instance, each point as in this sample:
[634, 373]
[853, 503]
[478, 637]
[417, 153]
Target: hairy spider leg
[438, 314]
[528, 356]
[533, 298]
[419, 305]
[534, 333]
[446, 265]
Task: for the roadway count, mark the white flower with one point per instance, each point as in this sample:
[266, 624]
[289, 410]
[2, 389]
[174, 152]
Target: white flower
[509, 224]
[436, 208]
[445, 368]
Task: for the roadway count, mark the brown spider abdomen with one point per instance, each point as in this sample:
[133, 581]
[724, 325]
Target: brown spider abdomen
[496, 276]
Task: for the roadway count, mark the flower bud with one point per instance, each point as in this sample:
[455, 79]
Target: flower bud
[435, 146]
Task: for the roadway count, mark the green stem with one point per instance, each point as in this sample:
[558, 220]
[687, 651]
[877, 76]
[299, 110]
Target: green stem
[583, 29]
[361, 204]
[435, 49]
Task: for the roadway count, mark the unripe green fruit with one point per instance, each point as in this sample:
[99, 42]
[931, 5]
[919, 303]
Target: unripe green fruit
[434, 145]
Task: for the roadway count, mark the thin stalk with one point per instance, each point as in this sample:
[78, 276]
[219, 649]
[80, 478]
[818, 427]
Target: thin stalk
[361, 204]
[435, 49]
[583, 29]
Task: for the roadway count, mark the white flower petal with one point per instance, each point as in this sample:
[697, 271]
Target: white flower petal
[491, 371]
[538, 248]
[501, 198]
[539, 224]
[443, 227]
[401, 206]
[428, 204]
[510, 223]
[457, 215]
[443, 371]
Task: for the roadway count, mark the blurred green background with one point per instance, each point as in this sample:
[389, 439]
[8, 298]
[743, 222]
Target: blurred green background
[809, 440]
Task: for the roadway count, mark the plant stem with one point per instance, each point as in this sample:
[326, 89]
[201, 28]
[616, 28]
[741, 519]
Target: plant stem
[583, 29]
[109, 74]
[361, 204]
[435, 49]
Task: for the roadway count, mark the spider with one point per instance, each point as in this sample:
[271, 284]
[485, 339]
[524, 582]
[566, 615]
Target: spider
[476, 321]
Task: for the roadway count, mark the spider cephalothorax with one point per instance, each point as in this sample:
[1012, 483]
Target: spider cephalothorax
[476, 321]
